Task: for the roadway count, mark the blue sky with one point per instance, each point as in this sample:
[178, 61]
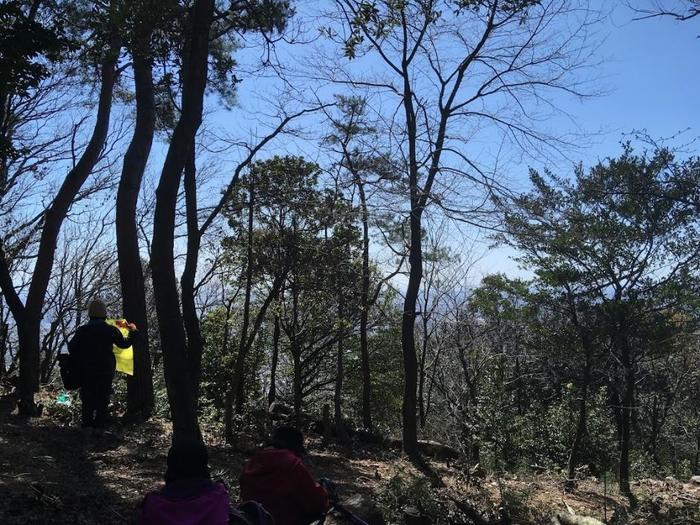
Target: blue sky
[651, 75]
[652, 71]
[649, 71]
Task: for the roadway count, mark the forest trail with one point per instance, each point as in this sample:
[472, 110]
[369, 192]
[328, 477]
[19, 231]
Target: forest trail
[49, 474]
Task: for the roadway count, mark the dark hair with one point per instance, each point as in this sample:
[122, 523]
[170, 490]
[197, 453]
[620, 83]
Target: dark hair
[290, 438]
[188, 459]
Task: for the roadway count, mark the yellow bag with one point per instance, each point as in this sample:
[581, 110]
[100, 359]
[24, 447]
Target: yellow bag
[124, 356]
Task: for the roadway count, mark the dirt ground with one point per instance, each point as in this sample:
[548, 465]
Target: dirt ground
[50, 474]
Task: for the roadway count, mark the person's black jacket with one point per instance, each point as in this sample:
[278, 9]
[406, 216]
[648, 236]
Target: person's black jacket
[91, 348]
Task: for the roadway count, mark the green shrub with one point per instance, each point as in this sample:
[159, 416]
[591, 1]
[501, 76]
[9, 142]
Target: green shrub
[407, 492]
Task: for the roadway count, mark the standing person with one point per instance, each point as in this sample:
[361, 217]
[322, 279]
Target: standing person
[277, 478]
[91, 351]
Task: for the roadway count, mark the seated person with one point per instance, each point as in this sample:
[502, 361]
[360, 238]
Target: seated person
[276, 478]
[189, 497]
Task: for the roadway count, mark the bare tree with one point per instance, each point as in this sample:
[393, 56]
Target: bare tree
[27, 313]
[453, 70]
[84, 268]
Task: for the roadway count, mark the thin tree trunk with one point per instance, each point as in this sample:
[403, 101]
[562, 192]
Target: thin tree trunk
[364, 314]
[47, 349]
[238, 372]
[582, 421]
[181, 389]
[139, 397]
[338, 394]
[294, 344]
[239, 369]
[3, 340]
[408, 344]
[421, 369]
[195, 341]
[623, 346]
[239, 378]
[298, 394]
[625, 441]
[272, 394]
[431, 385]
[581, 427]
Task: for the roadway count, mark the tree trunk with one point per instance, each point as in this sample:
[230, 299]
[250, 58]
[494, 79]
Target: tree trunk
[28, 343]
[139, 397]
[294, 345]
[408, 344]
[272, 394]
[622, 344]
[239, 377]
[364, 314]
[431, 385]
[625, 441]
[418, 199]
[421, 368]
[338, 394]
[298, 394]
[195, 341]
[29, 324]
[3, 341]
[180, 386]
[48, 344]
[582, 421]
[239, 369]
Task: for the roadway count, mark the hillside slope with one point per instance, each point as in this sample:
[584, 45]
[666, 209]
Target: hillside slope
[49, 474]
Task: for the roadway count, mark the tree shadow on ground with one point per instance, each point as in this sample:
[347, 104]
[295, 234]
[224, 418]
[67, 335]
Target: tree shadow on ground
[350, 477]
[425, 468]
[52, 474]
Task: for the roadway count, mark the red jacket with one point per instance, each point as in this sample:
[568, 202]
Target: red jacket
[280, 482]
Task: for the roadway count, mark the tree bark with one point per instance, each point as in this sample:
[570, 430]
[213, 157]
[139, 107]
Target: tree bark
[139, 397]
[195, 341]
[236, 382]
[415, 262]
[582, 420]
[338, 394]
[294, 346]
[239, 369]
[180, 386]
[272, 394]
[239, 377]
[364, 314]
[408, 344]
[3, 340]
[421, 366]
[298, 394]
[622, 344]
[625, 431]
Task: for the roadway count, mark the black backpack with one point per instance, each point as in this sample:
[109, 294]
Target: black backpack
[250, 513]
[70, 374]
